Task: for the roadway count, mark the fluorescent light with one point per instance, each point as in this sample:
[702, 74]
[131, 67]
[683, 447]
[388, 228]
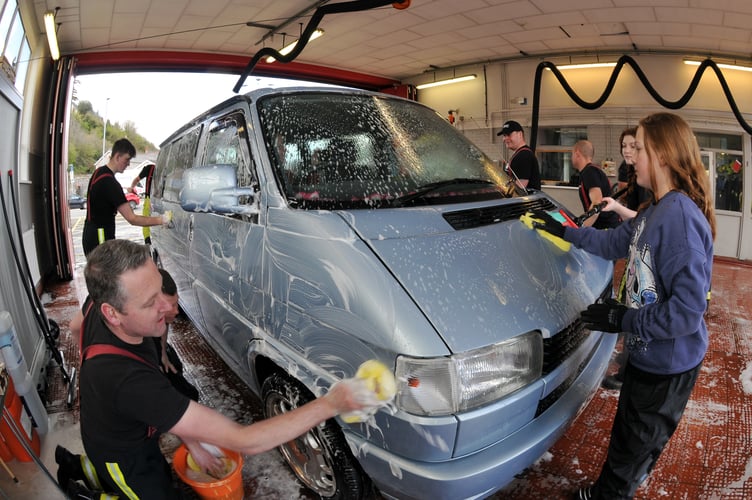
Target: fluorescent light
[690, 62]
[446, 82]
[49, 26]
[587, 65]
[288, 48]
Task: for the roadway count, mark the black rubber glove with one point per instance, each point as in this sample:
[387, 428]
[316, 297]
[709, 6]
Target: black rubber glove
[543, 220]
[604, 316]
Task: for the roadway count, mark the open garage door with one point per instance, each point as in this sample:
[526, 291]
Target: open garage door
[56, 184]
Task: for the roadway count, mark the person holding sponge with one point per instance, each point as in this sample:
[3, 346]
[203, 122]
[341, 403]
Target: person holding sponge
[669, 251]
[127, 402]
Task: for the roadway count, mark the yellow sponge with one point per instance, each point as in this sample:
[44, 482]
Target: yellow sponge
[378, 378]
[380, 386]
[561, 244]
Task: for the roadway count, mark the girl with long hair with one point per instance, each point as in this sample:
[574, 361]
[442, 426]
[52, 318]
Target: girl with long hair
[669, 251]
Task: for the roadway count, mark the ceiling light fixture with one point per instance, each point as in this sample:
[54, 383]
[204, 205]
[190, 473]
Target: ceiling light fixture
[690, 62]
[446, 82]
[288, 48]
[49, 26]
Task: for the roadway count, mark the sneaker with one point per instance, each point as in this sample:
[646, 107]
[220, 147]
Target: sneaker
[68, 466]
[611, 382]
[584, 494]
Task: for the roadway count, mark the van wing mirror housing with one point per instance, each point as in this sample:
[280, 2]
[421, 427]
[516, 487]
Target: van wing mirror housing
[214, 189]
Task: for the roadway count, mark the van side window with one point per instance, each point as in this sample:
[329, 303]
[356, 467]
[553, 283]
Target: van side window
[161, 170]
[174, 158]
[227, 144]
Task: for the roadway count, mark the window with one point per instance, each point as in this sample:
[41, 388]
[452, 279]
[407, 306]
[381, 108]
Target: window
[173, 159]
[339, 151]
[555, 153]
[727, 159]
[227, 145]
[728, 182]
[15, 47]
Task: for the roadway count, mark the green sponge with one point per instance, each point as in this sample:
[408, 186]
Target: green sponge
[561, 244]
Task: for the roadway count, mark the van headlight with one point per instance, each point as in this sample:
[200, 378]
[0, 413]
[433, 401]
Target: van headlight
[447, 385]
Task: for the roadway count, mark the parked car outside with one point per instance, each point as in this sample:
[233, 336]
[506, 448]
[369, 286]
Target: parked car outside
[76, 201]
[316, 228]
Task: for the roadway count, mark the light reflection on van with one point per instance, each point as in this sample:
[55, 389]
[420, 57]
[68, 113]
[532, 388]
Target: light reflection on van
[316, 228]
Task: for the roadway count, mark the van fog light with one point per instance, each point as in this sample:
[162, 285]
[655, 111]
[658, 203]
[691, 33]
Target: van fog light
[447, 385]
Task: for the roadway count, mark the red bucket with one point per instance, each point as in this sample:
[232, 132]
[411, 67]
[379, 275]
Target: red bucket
[229, 487]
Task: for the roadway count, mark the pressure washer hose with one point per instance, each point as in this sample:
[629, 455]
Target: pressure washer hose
[596, 209]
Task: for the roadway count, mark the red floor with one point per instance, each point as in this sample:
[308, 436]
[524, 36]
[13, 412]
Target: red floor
[709, 456]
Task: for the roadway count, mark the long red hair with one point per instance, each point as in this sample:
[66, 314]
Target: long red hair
[670, 138]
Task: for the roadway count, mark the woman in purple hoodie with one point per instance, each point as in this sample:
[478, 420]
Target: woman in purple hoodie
[669, 250]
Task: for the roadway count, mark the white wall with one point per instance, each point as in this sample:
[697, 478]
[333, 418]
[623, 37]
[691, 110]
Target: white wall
[486, 102]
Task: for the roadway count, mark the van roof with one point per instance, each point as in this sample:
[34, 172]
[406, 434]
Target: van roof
[257, 93]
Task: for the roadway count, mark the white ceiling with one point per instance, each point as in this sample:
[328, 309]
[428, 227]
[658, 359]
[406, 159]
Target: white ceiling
[400, 44]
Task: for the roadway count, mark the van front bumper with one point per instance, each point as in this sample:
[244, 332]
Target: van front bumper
[480, 474]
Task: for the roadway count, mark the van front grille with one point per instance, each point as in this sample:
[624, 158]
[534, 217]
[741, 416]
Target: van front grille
[558, 348]
[555, 351]
[477, 217]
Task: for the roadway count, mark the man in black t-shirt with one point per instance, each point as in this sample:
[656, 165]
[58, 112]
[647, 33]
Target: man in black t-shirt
[523, 163]
[594, 185]
[147, 172]
[127, 402]
[169, 361]
[105, 198]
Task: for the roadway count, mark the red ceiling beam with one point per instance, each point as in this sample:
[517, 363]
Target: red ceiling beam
[151, 60]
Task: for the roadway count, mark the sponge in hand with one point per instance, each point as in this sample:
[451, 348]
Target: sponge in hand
[529, 220]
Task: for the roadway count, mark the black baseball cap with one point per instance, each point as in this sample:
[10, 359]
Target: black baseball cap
[509, 127]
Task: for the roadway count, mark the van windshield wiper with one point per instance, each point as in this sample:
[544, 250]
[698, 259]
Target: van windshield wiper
[435, 186]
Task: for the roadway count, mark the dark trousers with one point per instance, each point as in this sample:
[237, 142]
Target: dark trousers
[143, 473]
[650, 407]
[177, 380]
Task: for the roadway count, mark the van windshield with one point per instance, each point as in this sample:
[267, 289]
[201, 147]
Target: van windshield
[337, 151]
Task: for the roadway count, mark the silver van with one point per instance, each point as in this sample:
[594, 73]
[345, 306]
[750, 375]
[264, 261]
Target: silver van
[316, 228]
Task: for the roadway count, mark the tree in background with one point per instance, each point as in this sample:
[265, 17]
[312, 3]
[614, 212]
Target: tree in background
[85, 137]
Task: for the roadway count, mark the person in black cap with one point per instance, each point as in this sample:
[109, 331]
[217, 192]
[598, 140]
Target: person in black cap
[523, 163]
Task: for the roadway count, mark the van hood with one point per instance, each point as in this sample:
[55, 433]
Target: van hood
[481, 285]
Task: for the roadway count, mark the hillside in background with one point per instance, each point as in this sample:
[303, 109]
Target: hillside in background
[85, 138]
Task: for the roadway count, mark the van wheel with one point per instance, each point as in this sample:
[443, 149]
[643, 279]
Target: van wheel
[321, 457]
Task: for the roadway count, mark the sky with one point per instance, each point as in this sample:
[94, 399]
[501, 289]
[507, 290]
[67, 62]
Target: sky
[159, 103]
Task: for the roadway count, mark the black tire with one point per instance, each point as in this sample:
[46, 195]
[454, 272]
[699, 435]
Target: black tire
[320, 458]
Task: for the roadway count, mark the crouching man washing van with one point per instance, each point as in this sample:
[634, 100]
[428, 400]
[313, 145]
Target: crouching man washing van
[127, 402]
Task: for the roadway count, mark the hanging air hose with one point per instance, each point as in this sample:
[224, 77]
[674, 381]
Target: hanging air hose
[318, 15]
[680, 103]
[596, 209]
[19, 254]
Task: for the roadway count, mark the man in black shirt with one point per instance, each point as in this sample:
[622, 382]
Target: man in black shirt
[594, 185]
[127, 402]
[523, 164]
[147, 172]
[105, 198]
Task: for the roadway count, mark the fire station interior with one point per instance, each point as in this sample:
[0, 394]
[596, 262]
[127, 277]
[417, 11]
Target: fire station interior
[559, 70]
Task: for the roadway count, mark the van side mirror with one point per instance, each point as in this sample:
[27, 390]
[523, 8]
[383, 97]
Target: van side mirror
[214, 188]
